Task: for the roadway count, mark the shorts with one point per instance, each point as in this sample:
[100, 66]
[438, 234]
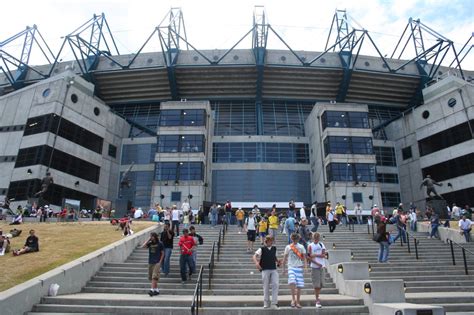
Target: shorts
[154, 272]
[251, 235]
[317, 277]
[295, 276]
[30, 249]
[263, 234]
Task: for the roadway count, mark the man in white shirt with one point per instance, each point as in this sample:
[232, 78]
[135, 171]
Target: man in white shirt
[138, 214]
[358, 213]
[465, 225]
[456, 212]
[251, 228]
[413, 219]
[185, 207]
[317, 255]
[175, 217]
[302, 213]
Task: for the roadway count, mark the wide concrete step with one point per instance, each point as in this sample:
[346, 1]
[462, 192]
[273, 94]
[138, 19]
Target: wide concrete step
[185, 290]
[308, 310]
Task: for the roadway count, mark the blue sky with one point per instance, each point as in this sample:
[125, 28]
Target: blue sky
[219, 24]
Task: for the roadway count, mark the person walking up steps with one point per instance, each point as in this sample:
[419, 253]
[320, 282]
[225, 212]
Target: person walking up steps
[266, 260]
[295, 257]
[250, 227]
[155, 259]
[316, 255]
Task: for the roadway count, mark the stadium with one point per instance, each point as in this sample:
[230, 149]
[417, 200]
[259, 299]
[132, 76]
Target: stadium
[251, 125]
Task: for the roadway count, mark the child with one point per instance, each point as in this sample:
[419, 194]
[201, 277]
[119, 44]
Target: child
[262, 229]
[316, 255]
[186, 219]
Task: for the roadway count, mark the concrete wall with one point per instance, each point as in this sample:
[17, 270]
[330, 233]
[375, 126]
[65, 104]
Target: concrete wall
[70, 277]
[412, 127]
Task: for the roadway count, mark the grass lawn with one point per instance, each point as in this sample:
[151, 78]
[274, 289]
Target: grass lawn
[59, 243]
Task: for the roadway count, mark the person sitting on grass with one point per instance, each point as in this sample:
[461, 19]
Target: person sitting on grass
[4, 244]
[31, 245]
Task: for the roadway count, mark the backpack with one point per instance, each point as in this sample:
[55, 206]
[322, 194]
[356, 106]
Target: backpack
[200, 239]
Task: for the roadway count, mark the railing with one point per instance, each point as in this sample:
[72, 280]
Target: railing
[211, 265]
[415, 243]
[464, 250]
[197, 297]
[371, 219]
[219, 242]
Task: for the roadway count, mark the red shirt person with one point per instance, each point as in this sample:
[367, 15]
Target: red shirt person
[187, 245]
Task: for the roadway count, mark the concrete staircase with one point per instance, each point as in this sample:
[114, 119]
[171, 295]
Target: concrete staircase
[237, 289]
[431, 279]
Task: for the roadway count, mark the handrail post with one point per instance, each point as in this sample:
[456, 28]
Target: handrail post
[408, 243]
[452, 252]
[465, 261]
[368, 227]
[416, 247]
[373, 233]
[200, 295]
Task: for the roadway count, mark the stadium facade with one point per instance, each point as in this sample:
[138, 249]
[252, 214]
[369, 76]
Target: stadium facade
[249, 125]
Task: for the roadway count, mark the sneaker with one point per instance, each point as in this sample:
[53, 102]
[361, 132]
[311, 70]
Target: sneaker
[275, 307]
[156, 292]
[240, 232]
[151, 293]
[318, 304]
[266, 306]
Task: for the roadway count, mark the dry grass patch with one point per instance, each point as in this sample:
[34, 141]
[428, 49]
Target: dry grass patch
[59, 243]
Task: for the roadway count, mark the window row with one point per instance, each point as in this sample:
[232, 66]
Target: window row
[275, 118]
[182, 117]
[387, 178]
[144, 114]
[446, 138]
[385, 156]
[361, 172]
[347, 145]
[181, 143]
[22, 190]
[268, 152]
[65, 129]
[390, 199]
[343, 119]
[459, 166]
[176, 171]
[58, 160]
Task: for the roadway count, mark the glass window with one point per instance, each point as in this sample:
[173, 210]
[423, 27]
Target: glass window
[342, 119]
[58, 160]
[166, 171]
[183, 117]
[112, 151]
[172, 171]
[249, 152]
[175, 196]
[168, 144]
[358, 120]
[365, 172]
[361, 145]
[459, 166]
[361, 172]
[339, 172]
[445, 139]
[406, 153]
[387, 178]
[337, 145]
[385, 156]
[65, 129]
[390, 199]
[142, 114]
[138, 153]
[357, 197]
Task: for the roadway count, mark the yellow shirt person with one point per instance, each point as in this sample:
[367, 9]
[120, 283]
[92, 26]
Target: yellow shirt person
[273, 221]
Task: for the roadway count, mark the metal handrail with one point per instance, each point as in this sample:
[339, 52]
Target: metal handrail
[197, 297]
[219, 242]
[464, 250]
[211, 264]
[415, 242]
